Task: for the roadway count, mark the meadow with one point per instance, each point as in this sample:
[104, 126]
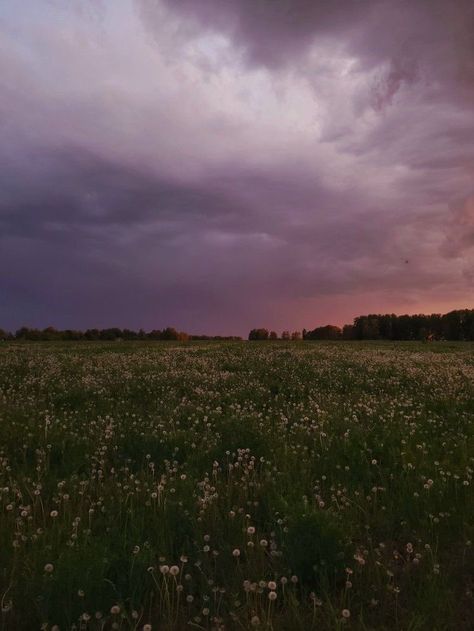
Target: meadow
[221, 486]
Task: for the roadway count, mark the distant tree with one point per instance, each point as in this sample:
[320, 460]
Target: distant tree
[92, 334]
[50, 333]
[367, 327]
[71, 335]
[469, 325]
[404, 328]
[217, 338]
[285, 335]
[386, 326]
[295, 336]
[25, 333]
[273, 335]
[455, 325]
[436, 325]
[170, 333]
[129, 334]
[258, 334]
[155, 334]
[110, 334]
[348, 332]
[328, 332]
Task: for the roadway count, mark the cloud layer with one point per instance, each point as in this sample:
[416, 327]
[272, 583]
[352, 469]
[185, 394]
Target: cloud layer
[217, 166]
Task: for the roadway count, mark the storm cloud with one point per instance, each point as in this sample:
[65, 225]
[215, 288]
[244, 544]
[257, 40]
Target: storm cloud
[222, 165]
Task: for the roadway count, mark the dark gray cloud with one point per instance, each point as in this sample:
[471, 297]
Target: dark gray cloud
[271, 32]
[278, 32]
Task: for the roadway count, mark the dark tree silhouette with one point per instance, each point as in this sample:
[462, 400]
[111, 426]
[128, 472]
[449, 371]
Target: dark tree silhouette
[455, 325]
[328, 332]
[258, 334]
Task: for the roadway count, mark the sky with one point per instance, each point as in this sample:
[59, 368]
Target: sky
[219, 165]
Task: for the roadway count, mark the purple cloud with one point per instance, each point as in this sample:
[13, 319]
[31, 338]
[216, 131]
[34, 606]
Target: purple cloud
[220, 165]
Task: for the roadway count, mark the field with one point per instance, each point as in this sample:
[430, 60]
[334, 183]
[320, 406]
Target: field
[232, 486]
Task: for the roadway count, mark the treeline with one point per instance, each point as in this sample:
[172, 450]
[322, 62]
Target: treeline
[51, 334]
[264, 334]
[455, 325]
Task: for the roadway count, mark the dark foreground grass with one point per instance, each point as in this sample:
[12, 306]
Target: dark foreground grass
[233, 486]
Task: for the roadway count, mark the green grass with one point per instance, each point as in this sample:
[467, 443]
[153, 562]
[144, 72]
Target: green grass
[341, 472]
